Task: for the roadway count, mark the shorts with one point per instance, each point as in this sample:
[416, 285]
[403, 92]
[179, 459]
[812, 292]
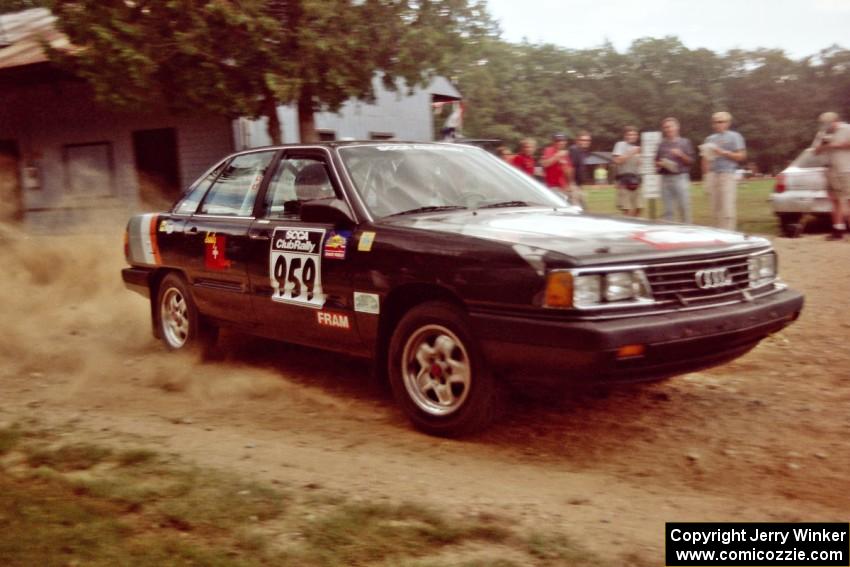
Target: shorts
[839, 183]
[628, 200]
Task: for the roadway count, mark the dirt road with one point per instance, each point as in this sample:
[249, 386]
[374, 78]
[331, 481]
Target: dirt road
[762, 438]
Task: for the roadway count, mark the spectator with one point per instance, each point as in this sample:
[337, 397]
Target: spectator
[627, 159]
[721, 154]
[578, 154]
[674, 158]
[524, 159]
[557, 167]
[833, 141]
[505, 153]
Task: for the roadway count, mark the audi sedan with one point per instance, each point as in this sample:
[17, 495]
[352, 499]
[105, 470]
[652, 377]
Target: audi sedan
[453, 272]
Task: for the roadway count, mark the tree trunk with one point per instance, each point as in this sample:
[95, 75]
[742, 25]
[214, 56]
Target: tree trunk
[306, 118]
[273, 126]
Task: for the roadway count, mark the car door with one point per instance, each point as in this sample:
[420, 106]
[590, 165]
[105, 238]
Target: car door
[216, 238]
[300, 271]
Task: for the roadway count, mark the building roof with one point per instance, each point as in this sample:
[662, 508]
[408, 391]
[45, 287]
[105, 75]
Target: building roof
[22, 35]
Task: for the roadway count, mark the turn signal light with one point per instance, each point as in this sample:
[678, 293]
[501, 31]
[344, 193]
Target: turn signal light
[559, 289]
[780, 184]
[630, 351]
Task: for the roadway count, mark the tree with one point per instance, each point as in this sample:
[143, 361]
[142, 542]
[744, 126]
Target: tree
[244, 57]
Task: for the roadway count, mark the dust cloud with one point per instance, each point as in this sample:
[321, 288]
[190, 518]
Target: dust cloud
[66, 314]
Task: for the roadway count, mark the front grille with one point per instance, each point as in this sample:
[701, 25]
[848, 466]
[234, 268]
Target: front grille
[676, 284]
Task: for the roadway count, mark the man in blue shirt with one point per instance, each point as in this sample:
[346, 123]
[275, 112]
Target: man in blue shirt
[674, 158]
[721, 154]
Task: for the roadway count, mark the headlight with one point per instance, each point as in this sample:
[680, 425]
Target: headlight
[564, 289]
[762, 269]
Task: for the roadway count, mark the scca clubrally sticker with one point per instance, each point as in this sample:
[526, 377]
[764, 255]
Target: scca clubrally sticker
[295, 266]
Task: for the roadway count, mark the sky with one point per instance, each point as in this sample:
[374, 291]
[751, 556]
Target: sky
[800, 27]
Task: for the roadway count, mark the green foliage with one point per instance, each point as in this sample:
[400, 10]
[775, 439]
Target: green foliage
[243, 57]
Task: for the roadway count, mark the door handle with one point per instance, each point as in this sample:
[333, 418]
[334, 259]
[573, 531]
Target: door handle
[193, 230]
[259, 234]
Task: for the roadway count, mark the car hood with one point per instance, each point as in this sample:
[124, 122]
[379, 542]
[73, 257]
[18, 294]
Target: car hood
[581, 236]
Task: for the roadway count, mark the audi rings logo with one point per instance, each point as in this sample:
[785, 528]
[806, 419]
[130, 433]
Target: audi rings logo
[713, 278]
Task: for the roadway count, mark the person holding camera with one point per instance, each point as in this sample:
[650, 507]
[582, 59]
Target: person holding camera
[721, 154]
[557, 166]
[833, 141]
[626, 156]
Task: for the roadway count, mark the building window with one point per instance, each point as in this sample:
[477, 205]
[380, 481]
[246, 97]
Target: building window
[326, 135]
[381, 135]
[89, 169]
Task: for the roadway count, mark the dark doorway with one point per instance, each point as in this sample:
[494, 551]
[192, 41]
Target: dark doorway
[11, 197]
[155, 152]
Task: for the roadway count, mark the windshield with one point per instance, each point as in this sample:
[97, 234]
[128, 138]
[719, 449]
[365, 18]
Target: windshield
[396, 179]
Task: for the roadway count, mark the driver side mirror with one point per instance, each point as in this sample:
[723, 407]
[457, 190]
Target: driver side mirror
[327, 211]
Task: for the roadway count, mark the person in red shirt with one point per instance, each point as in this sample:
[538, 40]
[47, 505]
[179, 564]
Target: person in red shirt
[524, 160]
[557, 167]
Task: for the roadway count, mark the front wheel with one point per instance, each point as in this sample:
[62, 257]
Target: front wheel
[180, 325]
[437, 373]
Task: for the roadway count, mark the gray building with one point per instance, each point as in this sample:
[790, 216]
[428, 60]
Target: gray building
[62, 155]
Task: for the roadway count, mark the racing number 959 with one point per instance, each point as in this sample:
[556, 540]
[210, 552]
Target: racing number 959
[296, 278]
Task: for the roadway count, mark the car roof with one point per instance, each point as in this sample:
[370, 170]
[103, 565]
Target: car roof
[349, 143]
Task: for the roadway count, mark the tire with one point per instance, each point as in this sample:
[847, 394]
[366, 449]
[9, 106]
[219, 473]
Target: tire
[180, 325]
[457, 394]
[790, 225]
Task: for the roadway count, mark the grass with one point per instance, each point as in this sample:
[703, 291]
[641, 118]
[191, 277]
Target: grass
[754, 212]
[83, 504]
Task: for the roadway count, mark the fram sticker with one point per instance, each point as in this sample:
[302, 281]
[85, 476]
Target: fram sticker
[367, 302]
[336, 244]
[295, 266]
[215, 252]
[366, 241]
[335, 320]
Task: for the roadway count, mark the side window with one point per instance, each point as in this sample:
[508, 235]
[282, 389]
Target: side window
[188, 204]
[296, 181]
[234, 192]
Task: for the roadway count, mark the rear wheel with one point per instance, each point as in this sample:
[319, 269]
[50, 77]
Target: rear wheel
[437, 373]
[181, 326]
[790, 224]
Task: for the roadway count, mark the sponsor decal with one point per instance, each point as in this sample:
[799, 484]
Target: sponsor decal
[663, 239]
[295, 266]
[215, 255]
[166, 226]
[367, 302]
[336, 244]
[366, 241]
[331, 319]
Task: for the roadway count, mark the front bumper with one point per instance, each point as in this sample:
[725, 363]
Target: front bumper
[552, 351]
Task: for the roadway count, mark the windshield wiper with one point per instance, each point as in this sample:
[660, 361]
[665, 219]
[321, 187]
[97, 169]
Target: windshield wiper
[504, 204]
[428, 209]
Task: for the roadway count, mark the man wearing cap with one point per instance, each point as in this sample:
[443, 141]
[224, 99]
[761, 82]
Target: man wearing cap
[833, 141]
[557, 167]
[721, 154]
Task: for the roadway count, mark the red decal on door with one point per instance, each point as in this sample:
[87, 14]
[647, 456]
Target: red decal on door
[215, 257]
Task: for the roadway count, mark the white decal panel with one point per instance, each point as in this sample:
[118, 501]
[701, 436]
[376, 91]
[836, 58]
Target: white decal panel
[295, 266]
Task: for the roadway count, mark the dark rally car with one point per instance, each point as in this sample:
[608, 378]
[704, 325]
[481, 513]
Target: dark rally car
[453, 271]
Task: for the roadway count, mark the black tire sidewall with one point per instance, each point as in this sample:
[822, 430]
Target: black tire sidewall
[480, 406]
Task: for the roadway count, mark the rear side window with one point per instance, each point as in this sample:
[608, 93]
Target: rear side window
[810, 159]
[188, 204]
[235, 190]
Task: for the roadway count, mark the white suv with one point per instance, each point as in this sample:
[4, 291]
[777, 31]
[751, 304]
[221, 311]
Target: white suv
[800, 190]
